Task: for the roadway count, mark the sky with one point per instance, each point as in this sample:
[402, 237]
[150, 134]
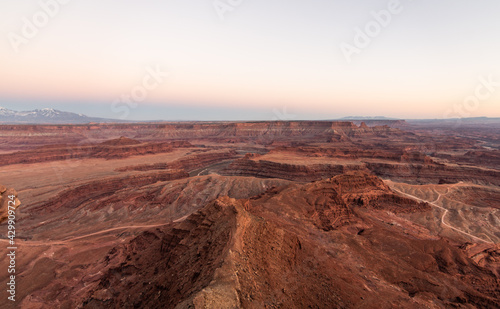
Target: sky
[251, 59]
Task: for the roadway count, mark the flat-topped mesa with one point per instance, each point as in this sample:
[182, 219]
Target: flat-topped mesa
[275, 129]
[50, 134]
[416, 157]
[358, 182]
[122, 141]
[296, 172]
[8, 197]
[267, 132]
[343, 124]
[359, 188]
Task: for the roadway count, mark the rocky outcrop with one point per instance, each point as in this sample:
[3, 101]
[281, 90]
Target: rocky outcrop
[8, 197]
[416, 157]
[484, 255]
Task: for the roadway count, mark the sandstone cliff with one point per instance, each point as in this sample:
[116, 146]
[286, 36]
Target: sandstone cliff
[303, 173]
[113, 149]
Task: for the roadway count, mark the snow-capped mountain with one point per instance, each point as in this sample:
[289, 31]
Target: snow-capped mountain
[46, 116]
[6, 112]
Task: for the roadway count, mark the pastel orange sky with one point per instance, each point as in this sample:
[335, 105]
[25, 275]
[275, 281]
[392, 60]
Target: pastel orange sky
[425, 62]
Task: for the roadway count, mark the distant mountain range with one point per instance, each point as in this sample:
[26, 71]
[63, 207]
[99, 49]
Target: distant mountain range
[48, 116]
[53, 116]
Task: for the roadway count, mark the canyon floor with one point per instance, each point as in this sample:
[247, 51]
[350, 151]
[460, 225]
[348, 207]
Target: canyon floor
[302, 214]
